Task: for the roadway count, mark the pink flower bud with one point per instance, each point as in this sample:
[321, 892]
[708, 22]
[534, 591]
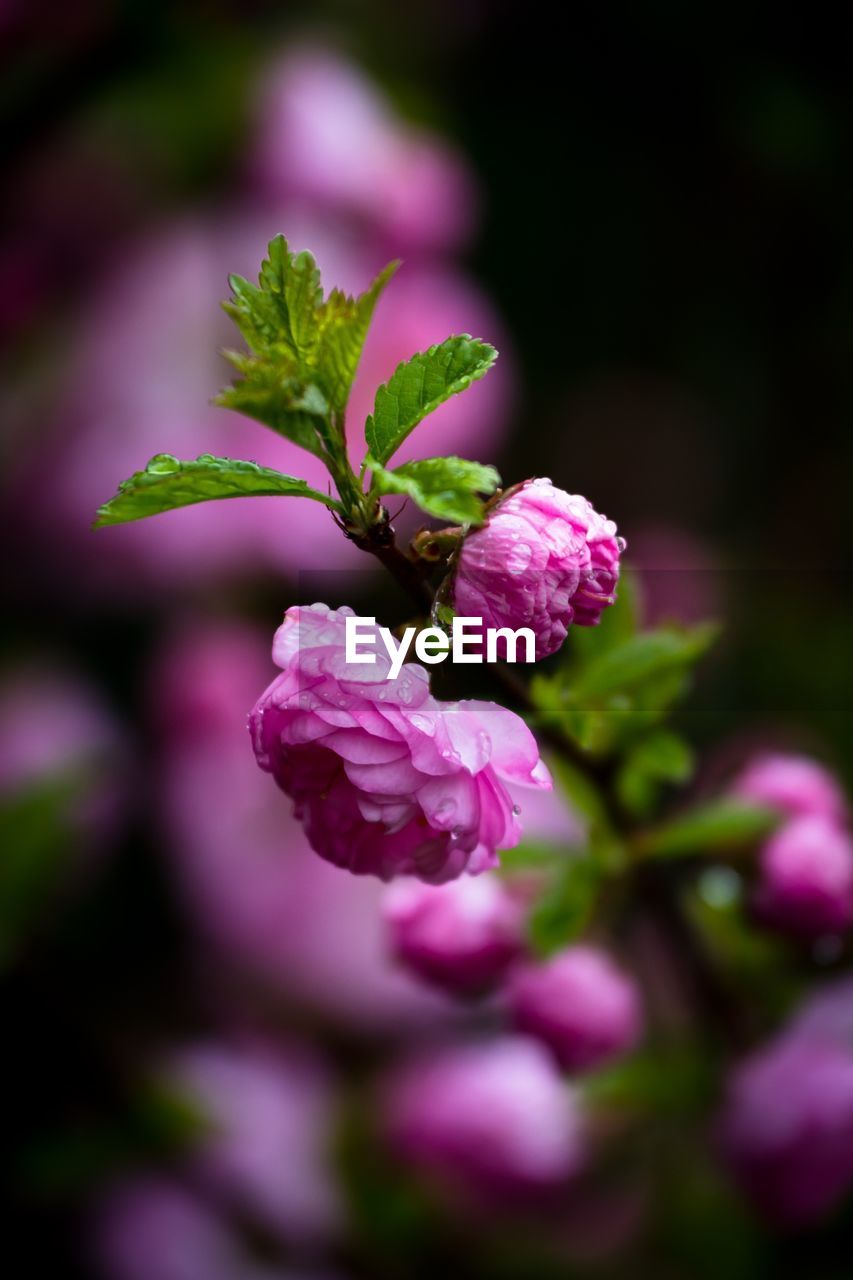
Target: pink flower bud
[786, 1128]
[543, 559]
[385, 779]
[487, 1121]
[267, 1117]
[580, 1004]
[795, 785]
[461, 936]
[806, 881]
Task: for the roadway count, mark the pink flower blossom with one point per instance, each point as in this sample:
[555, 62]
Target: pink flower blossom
[55, 732]
[490, 1121]
[266, 1135]
[152, 1227]
[786, 1128]
[325, 135]
[795, 785]
[580, 1004]
[386, 780]
[543, 559]
[270, 911]
[461, 936]
[806, 877]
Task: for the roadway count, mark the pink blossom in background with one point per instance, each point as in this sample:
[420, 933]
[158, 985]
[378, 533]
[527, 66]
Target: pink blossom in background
[786, 1128]
[580, 1004]
[253, 886]
[796, 786]
[385, 779]
[806, 878]
[490, 1121]
[269, 1118]
[543, 559]
[326, 136]
[462, 936]
[154, 1228]
[827, 1015]
[55, 731]
[678, 576]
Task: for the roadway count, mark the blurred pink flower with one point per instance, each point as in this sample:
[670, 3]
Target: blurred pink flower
[55, 731]
[678, 575]
[386, 780]
[796, 786]
[325, 134]
[580, 1004]
[461, 936]
[786, 1128]
[827, 1015]
[489, 1121]
[806, 878]
[268, 1144]
[153, 1228]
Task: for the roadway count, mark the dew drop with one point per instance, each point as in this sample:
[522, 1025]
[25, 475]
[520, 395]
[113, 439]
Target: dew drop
[518, 560]
[516, 809]
[163, 464]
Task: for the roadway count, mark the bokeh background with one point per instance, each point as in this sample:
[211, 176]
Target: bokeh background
[649, 212]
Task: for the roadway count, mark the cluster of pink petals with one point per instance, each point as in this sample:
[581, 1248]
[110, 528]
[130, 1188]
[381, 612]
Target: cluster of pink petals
[806, 884]
[461, 937]
[266, 1127]
[786, 1125]
[326, 136]
[796, 786]
[491, 1120]
[806, 867]
[580, 1004]
[385, 779]
[544, 559]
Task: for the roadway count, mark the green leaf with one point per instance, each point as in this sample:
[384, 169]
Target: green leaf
[303, 349]
[642, 658]
[167, 483]
[420, 385]
[444, 487]
[271, 392]
[723, 824]
[658, 758]
[344, 329]
[37, 836]
[561, 913]
[284, 308]
[610, 700]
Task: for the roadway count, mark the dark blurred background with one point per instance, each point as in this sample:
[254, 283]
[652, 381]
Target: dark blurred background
[649, 210]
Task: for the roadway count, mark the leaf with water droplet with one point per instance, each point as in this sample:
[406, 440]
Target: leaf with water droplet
[168, 483]
[450, 488]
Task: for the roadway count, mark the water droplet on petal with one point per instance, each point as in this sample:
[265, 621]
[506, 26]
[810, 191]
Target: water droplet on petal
[445, 810]
[518, 560]
[516, 809]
